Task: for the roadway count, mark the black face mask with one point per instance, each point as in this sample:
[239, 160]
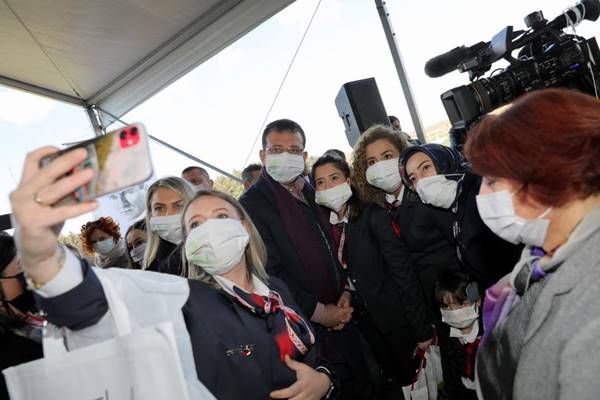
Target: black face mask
[24, 302]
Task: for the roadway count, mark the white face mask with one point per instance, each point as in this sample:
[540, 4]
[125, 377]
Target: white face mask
[498, 213]
[104, 247]
[137, 254]
[284, 167]
[334, 198]
[217, 245]
[168, 228]
[461, 318]
[438, 190]
[385, 175]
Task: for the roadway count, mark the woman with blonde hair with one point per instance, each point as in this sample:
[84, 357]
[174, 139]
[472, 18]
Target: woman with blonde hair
[165, 201]
[247, 338]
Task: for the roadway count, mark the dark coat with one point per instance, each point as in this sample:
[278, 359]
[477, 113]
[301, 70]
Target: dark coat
[216, 324]
[15, 350]
[432, 251]
[167, 259]
[283, 261]
[379, 268]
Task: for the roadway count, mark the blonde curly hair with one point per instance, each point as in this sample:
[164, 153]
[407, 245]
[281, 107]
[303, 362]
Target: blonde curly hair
[368, 193]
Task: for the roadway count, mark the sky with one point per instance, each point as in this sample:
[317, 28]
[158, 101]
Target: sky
[215, 112]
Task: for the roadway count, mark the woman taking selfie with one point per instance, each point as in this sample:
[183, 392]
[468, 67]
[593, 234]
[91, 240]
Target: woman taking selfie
[387, 298]
[541, 187]
[247, 338]
[165, 201]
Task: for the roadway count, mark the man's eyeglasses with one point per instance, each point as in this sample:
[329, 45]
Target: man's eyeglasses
[280, 149]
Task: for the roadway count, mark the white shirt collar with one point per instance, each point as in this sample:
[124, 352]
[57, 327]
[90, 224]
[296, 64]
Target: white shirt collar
[468, 338]
[390, 198]
[334, 219]
[259, 286]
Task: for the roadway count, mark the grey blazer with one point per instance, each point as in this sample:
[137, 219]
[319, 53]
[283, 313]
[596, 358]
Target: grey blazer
[560, 355]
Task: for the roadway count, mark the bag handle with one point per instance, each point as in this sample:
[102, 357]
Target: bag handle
[421, 365]
[54, 338]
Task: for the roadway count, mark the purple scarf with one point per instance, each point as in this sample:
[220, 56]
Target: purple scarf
[501, 298]
[318, 265]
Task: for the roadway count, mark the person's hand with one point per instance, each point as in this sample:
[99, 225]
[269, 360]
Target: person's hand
[345, 299]
[310, 384]
[37, 222]
[333, 315]
[424, 345]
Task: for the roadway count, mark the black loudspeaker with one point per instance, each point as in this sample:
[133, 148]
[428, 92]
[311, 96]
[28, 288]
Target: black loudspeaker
[359, 105]
[5, 223]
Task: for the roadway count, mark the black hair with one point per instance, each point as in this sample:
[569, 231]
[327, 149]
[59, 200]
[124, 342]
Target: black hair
[8, 250]
[139, 225]
[193, 167]
[247, 172]
[283, 125]
[335, 153]
[453, 283]
[355, 204]
[393, 119]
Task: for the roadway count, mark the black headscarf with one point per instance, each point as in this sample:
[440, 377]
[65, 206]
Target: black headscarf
[446, 159]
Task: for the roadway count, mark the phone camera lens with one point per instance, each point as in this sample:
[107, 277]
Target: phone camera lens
[134, 131]
[123, 135]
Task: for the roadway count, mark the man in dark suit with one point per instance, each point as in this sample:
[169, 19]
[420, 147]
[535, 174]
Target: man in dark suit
[300, 251]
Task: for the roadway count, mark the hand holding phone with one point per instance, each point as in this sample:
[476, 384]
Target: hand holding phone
[119, 159]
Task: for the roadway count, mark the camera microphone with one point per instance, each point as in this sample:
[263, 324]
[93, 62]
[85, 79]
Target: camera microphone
[447, 62]
[451, 60]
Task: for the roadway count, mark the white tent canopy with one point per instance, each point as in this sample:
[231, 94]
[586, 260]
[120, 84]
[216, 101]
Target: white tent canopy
[115, 54]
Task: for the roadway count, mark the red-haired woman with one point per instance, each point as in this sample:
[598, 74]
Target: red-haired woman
[541, 186]
[102, 240]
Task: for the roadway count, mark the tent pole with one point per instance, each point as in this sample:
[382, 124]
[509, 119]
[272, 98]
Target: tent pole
[390, 35]
[94, 120]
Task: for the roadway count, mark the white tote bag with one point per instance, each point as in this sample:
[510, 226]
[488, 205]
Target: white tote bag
[418, 389]
[433, 370]
[141, 364]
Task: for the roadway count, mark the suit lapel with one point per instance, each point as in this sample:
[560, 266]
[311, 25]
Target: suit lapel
[560, 282]
[263, 344]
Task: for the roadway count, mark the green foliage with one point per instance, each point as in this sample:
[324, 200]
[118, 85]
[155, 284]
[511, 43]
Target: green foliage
[227, 185]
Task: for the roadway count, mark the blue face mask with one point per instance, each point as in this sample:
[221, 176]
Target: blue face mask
[104, 247]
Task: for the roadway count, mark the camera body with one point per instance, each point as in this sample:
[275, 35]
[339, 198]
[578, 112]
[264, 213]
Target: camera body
[547, 58]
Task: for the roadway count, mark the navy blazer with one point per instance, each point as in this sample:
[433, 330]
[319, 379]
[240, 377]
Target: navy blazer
[220, 330]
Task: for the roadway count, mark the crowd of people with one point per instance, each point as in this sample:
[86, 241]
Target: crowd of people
[337, 281]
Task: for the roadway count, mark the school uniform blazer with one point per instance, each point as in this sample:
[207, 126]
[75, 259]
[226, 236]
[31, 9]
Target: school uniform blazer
[379, 267]
[212, 329]
[431, 250]
[283, 261]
